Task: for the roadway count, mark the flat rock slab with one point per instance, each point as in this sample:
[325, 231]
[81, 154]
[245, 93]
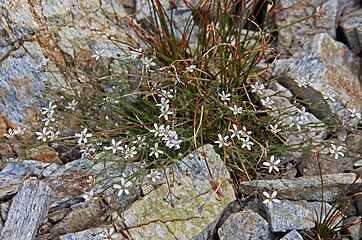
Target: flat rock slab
[303, 188]
[28, 210]
[245, 225]
[182, 209]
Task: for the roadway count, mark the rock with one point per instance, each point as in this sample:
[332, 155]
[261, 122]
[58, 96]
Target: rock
[80, 217]
[4, 210]
[293, 37]
[330, 74]
[283, 106]
[295, 215]
[329, 165]
[354, 227]
[191, 207]
[289, 215]
[33, 197]
[44, 153]
[8, 188]
[352, 30]
[93, 233]
[293, 235]
[245, 225]
[303, 188]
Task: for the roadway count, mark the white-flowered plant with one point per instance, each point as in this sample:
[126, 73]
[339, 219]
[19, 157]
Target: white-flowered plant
[336, 151]
[223, 141]
[154, 175]
[123, 187]
[115, 146]
[270, 198]
[83, 136]
[272, 164]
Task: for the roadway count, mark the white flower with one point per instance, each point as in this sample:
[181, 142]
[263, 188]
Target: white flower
[155, 151]
[304, 81]
[48, 119]
[10, 133]
[49, 109]
[222, 141]
[246, 143]
[87, 150]
[166, 94]
[190, 68]
[115, 146]
[123, 187]
[224, 97]
[154, 175]
[236, 132]
[136, 53]
[89, 197]
[129, 152]
[257, 88]
[163, 104]
[165, 112]
[270, 198]
[274, 129]
[148, 62]
[171, 139]
[43, 135]
[272, 164]
[267, 102]
[111, 234]
[245, 133]
[83, 136]
[355, 113]
[236, 110]
[91, 180]
[19, 131]
[336, 151]
[329, 96]
[158, 131]
[53, 135]
[71, 105]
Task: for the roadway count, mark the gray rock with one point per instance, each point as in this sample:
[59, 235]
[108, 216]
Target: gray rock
[303, 188]
[293, 37]
[357, 164]
[337, 75]
[93, 233]
[329, 165]
[21, 169]
[355, 228]
[293, 235]
[297, 215]
[352, 30]
[4, 210]
[289, 215]
[193, 204]
[245, 225]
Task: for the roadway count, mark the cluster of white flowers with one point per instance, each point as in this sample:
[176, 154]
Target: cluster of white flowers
[13, 132]
[240, 134]
[169, 137]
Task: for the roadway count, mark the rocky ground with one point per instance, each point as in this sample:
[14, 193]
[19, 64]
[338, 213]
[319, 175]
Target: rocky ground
[34, 34]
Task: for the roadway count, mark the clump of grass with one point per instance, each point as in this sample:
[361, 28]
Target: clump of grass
[179, 93]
